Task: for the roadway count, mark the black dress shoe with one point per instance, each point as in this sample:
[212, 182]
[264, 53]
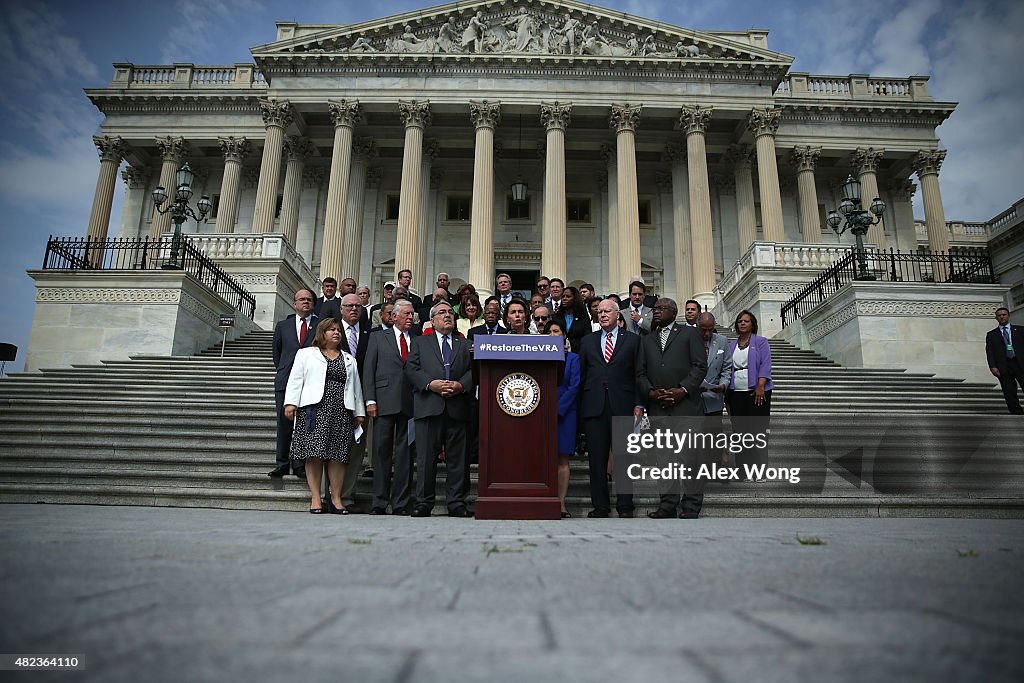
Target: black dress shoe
[278, 472]
[420, 511]
[689, 514]
[597, 514]
[403, 512]
[626, 514]
[566, 515]
[353, 509]
[378, 511]
[459, 512]
[662, 513]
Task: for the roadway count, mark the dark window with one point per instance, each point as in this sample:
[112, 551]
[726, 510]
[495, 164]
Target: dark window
[277, 208]
[517, 210]
[391, 211]
[644, 210]
[214, 206]
[577, 210]
[458, 208]
[757, 214]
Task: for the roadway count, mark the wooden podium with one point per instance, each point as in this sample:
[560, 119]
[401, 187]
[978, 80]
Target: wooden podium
[518, 475]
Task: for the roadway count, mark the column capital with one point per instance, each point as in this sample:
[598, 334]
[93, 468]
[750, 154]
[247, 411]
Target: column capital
[694, 119]
[250, 177]
[135, 177]
[374, 176]
[725, 183]
[431, 149]
[436, 176]
[499, 149]
[172, 148]
[674, 151]
[484, 114]
[624, 117]
[929, 161]
[313, 176]
[276, 112]
[804, 158]
[110, 148]
[345, 112]
[297, 147]
[764, 121]
[415, 113]
[608, 153]
[903, 190]
[740, 156]
[555, 115]
[365, 148]
[234, 149]
[865, 159]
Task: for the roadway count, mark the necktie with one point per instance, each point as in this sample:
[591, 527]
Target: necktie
[608, 347]
[302, 332]
[1009, 349]
[446, 356]
[353, 340]
[664, 336]
[707, 349]
[405, 347]
[636, 325]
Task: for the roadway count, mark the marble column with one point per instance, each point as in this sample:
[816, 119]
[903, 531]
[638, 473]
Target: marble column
[423, 275]
[864, 161]
[485, 117]
[297, 149]
[693, 121]
[623, 120]
[235, 150]
[927, 164]
[764, 123]
[902, 194]
[345, 114]
[804, 159]
[555, 117]
[614, 269]
[277, 115]
[111, 150]
[741, 157]
[675, 154]
[135, 178]
[416, 117]
[363, 149]
[172, 151]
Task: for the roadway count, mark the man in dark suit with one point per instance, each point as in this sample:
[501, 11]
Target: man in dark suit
[490, 325]
[291, 334]
[671, 366]
[354, 339]
[386, 315]
[404, 278]
[1003, 348]
[439, 370]
[608, 359]
[330, 287]
[388, 397]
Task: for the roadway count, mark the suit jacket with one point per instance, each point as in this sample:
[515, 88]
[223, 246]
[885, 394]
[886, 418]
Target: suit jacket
[286, 345]
[995, 347]
[615, 379]
[646, 316]
[364, 340]
[759, 363]
[318, 306]
[425, 365]
[577, 331]
[682, 364]
[719, 372]
[384, 379]
[482, 329]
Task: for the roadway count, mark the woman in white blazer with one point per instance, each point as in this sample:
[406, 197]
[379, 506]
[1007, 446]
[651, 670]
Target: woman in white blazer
[324, 397]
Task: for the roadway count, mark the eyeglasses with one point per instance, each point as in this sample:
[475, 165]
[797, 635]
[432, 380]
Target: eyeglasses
[305, 298]
[351, 305]
[538, 318]
[540, 286]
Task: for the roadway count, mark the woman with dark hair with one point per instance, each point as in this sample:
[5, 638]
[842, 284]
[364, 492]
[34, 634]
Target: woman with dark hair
[592, 307]
[573, 315]
[325, 399]
[469, 313]
[517, 317]
[568, 393]
[750, 389]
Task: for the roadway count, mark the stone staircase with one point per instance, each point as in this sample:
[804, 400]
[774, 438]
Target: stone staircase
[199, 432]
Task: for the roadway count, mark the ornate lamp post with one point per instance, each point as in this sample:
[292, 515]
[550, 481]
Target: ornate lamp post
[181, 210]
[858, 221]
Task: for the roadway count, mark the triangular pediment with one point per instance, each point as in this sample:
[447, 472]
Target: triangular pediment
[489, 28]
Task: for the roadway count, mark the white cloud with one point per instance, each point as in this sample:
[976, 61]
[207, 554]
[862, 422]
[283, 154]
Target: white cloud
[35, 48]
[188, 40]
[898, 46]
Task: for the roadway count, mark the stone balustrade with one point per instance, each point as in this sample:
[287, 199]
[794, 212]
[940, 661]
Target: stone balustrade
[961, 233]
[188, 76]
[854, 87]
[224, 248]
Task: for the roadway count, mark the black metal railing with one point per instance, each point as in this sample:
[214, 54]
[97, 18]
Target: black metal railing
[82, 253]
[889, 266]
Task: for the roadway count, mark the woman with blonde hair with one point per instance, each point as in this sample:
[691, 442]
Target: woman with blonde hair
[325, 399]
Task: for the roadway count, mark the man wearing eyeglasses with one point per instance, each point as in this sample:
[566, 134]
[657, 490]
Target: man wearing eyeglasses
[439, 370]
[543, 285]
[354, 339]
[540, 317]
[291, 334]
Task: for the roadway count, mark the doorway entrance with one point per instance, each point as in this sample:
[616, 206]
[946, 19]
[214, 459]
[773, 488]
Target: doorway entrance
[523, 281]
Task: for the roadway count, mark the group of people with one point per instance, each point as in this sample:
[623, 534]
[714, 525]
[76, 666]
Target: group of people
[408, 365]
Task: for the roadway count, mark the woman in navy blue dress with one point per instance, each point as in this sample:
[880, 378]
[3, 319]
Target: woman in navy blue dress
[568, 393]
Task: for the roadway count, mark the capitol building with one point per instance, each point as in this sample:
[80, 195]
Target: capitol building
[535, 138]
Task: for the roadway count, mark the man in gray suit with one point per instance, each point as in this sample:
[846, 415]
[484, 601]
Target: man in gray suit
[669, 372]
[388, 397]
[442, 380]
[716, 381]
[638, 316]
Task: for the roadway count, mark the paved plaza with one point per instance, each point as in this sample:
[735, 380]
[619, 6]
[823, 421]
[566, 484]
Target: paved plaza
[160, 594]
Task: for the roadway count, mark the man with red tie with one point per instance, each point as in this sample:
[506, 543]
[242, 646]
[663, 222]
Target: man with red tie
[291, 334]
[608, 357]
[388, 396]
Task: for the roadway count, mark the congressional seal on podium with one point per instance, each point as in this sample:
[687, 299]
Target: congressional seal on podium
[518, 394]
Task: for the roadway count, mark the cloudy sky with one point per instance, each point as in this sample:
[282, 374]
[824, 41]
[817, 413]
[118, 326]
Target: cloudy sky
[51, 49]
